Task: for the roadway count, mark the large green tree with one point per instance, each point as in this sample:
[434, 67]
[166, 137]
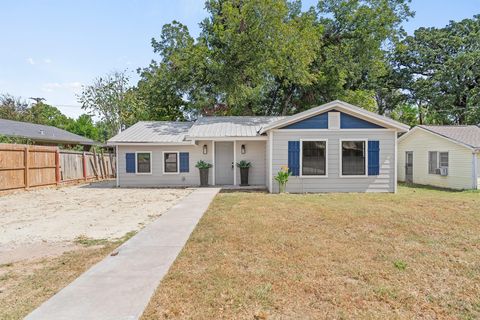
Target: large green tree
[111, 99]
[270, 57]
[440, 71]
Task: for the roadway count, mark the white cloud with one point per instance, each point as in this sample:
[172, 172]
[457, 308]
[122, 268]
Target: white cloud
[47, 60]
[55, 86]
[31, 61]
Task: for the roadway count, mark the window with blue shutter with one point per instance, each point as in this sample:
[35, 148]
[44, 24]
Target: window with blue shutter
[294, 157]
[373, 157]
[184, 159]
[130, 162]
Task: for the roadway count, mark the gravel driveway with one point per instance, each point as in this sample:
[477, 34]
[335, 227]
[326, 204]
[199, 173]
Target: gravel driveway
[47, 221]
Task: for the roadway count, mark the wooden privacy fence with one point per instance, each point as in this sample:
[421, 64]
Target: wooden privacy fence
[26, 166]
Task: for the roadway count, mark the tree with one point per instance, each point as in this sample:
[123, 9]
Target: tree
[106, 98]
[440, 72]
[263, 57]
[354, 57]
[42, 113]
[84, 126]
[12, 108]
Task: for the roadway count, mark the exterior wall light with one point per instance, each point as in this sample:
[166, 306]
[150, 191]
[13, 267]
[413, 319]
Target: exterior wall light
[205, 150]
[243, 149]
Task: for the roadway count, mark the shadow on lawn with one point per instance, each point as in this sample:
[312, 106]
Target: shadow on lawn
[431, 188]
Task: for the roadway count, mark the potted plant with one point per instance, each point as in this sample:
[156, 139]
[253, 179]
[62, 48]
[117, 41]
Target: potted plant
[244, 166]
[203, 168]
[282, 178]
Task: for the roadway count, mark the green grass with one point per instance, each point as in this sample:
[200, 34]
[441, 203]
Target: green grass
[361, 256]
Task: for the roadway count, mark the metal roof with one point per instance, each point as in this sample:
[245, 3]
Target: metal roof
[154, 132]
[230, 126]
[38, 132]
[466, 134]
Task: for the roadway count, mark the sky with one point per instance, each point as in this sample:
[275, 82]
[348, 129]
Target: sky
[50, 48]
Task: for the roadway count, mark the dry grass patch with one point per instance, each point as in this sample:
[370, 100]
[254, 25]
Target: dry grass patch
[372, 256]
[25, 285]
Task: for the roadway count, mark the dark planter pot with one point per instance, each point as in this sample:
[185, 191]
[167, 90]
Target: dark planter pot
[203, 177]
[244, 176]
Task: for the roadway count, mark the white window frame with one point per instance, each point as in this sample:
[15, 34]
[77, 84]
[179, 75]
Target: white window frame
[301, 159]
[178, 162]
[136, 162]
[438, 161]
[340, 173]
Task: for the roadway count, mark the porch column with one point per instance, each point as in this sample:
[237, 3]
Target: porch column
[234, 162]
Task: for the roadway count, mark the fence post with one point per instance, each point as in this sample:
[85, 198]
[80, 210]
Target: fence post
[25, 170]
[95, 162]
[58, 177]
[105, 172]
[84, 163]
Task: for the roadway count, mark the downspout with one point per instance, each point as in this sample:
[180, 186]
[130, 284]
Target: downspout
[475, 169]
[117, 178]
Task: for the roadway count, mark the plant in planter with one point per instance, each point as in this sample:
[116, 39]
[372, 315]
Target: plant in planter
[244, 166]
[203, 167]
[282, 178]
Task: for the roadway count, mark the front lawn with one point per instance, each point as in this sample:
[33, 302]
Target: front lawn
[261, 256]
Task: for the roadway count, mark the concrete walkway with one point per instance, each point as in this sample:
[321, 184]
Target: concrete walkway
[120, 287]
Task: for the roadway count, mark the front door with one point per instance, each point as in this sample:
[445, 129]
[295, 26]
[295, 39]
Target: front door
[409, 166]
[223, 163]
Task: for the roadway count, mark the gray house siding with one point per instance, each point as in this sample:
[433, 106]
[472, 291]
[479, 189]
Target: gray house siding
[256, 154]
[384, 182]
[157, 178]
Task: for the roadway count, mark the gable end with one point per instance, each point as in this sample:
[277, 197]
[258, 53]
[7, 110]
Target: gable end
[321, 121]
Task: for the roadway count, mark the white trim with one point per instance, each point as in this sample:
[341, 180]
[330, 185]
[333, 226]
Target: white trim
[301, 159]
[474, 170]
[178, 162]
[403, 137]
[213, 162]
[270, 147]
[136, 163]
[226, 138]
[117, 174]
[340, 174]
[151, 143]
[234, 162]
[395, 169]
[334, 130]
[337, 104]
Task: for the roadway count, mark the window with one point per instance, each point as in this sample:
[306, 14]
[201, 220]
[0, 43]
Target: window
[144, 162]
[443, 159]
[170, 162]
[314, 158]
[437, 160]
[353, 158]
[432, 162]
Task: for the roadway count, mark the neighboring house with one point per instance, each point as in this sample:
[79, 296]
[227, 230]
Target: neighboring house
[442, 156]
[336, 147]
[41, 134]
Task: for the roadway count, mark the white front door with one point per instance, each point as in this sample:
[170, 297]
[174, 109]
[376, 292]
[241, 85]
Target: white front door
[224, 163]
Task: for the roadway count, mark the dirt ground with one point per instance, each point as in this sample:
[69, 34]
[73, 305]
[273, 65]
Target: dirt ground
[46, 222]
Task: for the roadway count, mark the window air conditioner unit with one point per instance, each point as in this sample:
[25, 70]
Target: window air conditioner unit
[444, 171]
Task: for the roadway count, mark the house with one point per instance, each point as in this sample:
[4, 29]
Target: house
[42, 134]
[442, 156]
[336, 147]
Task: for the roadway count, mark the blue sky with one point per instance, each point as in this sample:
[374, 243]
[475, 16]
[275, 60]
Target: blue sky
[50, 48]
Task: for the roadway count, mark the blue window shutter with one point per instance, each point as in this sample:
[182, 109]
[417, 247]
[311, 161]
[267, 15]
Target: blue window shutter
[130, 162]
[294, 157]
[184, 157]
[373, 158]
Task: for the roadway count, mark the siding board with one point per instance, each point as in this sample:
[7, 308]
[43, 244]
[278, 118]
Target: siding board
[384, 182]
[459, 158]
